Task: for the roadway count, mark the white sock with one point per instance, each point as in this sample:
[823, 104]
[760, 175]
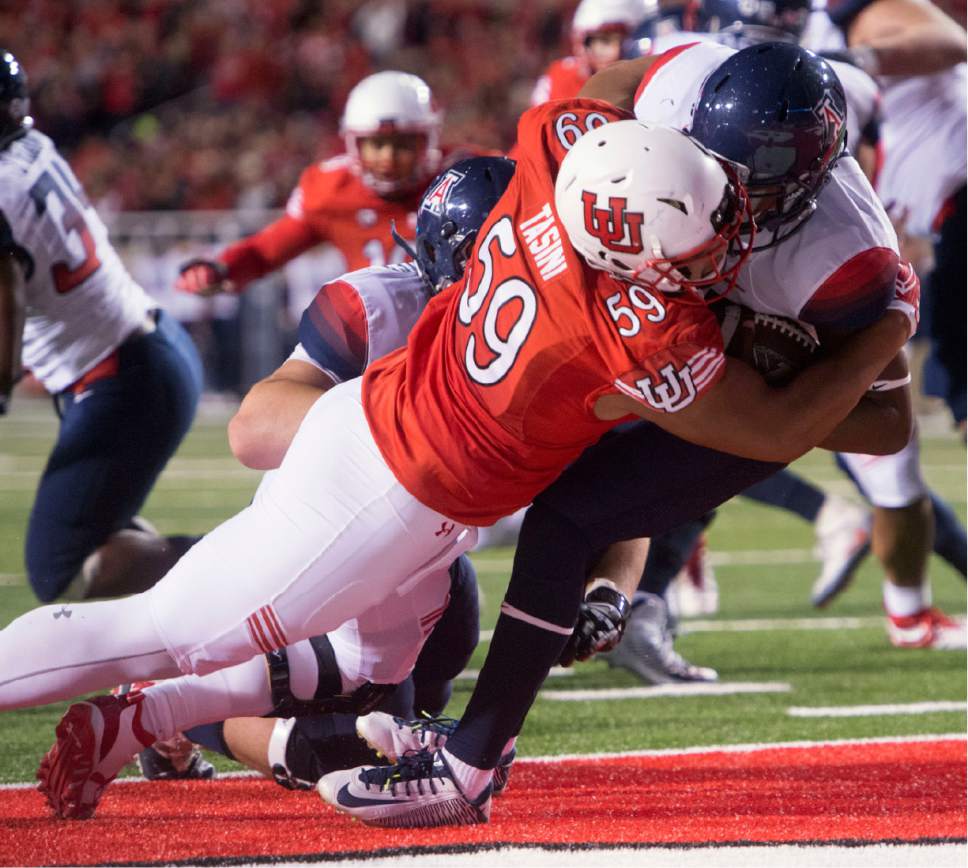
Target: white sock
[471, 780]
[178, 704]
[61, 651]
[903, 602]
[236, 691]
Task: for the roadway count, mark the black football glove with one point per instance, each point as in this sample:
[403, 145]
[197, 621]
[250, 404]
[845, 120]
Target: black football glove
[601, 622]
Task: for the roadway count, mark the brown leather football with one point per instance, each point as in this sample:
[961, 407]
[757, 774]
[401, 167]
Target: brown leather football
[776, 346]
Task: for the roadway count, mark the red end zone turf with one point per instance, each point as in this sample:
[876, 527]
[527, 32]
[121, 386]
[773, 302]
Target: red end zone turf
[891, 791]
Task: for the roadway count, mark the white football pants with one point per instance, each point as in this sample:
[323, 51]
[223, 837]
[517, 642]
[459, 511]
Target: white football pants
[330, 538]
[890, 481]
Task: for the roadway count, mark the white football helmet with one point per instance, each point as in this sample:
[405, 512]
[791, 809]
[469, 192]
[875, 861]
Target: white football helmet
[651, 206]
[393, 102]
[592, 16]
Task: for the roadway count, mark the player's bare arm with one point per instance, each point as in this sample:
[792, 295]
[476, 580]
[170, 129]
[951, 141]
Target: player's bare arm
[744, 416]
[12, 311]
[272, 411]
[880, 418]
[906, 37]
[617, 83]
[622, 565]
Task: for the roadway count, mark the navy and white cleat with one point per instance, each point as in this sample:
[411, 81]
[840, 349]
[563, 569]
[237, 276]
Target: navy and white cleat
[419, 791]
[393, 737]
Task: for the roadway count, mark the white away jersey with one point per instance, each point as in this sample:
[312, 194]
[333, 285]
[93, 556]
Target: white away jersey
[81, 303]
[923, 134]
[361, 317]
[838, 268]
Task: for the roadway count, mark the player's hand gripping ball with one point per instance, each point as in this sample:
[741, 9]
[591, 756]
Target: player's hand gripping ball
[775, 346]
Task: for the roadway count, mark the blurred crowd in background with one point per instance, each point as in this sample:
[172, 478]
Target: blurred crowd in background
[220, 104]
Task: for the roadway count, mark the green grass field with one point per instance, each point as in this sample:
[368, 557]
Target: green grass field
[846, 665]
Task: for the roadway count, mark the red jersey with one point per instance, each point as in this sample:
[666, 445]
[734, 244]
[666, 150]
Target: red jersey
[494, 394]
[562, 80]
[330, 203]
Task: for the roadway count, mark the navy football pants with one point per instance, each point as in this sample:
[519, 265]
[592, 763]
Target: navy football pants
[115, 437]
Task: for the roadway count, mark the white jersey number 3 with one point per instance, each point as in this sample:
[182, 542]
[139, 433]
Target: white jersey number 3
[504, 349]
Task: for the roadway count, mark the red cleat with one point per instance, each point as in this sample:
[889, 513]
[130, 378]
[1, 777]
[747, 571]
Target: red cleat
[95, 740]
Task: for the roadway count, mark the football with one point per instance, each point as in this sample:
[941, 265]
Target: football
[776, 346]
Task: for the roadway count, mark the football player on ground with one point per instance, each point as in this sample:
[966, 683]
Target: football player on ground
[598, 500]
[124, 375]
[571, 317]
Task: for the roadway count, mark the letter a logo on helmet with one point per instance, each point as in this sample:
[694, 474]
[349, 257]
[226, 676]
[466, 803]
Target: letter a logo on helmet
[618, 229]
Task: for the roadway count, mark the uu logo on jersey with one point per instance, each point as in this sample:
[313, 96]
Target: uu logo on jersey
[618, 229]
[436, 199]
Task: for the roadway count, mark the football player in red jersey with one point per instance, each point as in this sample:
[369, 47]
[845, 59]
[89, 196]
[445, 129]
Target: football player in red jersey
[579, 308]
[597, 33]
[392, 130]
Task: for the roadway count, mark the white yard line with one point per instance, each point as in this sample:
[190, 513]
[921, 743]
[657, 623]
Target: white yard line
[765, 856]
[752, 625]
[875, 710]
[663, 691]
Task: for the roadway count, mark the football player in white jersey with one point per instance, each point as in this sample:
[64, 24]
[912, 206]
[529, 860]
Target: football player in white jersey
[918, 53]
[743, 106]
[124, 375]
[842, 527]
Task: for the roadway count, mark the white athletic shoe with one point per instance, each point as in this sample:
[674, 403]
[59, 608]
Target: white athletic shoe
[647, 648]
[694, 591]
[843, 532]
[393, 737]
[929, 628]
[418, 791]
[95, 740]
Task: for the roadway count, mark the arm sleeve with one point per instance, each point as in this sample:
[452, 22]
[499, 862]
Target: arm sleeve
[273, 247]
[333, 331]
[856, 294]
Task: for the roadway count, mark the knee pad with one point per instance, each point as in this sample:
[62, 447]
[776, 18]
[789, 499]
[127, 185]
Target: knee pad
[328, 697]
[302, 750]
[889, 481]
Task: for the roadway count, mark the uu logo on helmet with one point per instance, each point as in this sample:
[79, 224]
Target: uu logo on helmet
[618, 229]
[436, 199]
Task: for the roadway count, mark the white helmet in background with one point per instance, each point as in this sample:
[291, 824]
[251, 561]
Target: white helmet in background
[651, 206]
[593, 16]
[393, 102]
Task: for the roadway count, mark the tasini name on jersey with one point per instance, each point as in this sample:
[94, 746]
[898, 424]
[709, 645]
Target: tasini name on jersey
[543, 237]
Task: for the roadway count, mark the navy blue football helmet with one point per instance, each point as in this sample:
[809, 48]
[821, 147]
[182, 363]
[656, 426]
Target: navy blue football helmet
[780, 111]
[452, 212]
[753, 21]
[15, 117]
